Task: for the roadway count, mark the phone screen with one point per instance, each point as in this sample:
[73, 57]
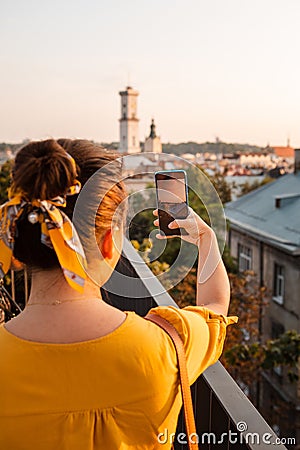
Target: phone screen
[171, 189]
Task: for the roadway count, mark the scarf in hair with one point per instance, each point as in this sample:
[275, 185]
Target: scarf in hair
[57, 232]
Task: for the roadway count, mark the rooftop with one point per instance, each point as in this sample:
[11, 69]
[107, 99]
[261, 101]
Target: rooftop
[271, 213]
[284, 152]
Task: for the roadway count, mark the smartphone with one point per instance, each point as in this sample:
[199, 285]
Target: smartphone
[172, 199]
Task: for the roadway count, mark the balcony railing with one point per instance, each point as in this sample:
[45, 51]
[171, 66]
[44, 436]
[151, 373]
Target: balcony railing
[225, 418]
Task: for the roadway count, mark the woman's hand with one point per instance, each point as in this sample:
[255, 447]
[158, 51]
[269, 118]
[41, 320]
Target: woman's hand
[213, 290]
[192, 224]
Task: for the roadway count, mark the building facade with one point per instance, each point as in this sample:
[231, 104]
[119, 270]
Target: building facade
[264, 237]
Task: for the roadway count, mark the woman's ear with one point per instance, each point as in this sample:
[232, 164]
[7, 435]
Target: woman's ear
[107, 246]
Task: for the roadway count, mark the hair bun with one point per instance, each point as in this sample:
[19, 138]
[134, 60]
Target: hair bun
[43, 170]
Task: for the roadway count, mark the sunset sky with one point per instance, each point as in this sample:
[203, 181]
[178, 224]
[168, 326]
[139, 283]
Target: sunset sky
[204, 69]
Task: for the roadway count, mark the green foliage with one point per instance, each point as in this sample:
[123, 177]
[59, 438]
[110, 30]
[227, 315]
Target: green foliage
[141, 225]
[243, 353]
[242, 349]
[209, 147]
[283, 351]
[249, 187]
[245, 356]
[144, 248]
[171, 251]
[13, 147]
[229, 261]
[222, 187]
[184, 293]
[201, 183]
[5, 180]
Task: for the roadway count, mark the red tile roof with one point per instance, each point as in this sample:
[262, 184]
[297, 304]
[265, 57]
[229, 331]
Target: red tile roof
[284, 152]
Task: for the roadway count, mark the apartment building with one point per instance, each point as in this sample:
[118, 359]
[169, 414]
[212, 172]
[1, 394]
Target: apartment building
[264, 236]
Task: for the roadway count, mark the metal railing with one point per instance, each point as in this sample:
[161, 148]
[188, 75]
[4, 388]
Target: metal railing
[225, 418]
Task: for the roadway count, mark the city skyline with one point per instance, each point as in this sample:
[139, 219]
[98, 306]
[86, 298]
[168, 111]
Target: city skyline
[203, 69]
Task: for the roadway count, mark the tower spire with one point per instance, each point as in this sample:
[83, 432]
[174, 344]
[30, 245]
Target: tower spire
[152, 130]
[153, 143]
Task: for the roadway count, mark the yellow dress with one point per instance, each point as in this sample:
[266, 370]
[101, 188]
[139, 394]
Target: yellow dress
[117, 392]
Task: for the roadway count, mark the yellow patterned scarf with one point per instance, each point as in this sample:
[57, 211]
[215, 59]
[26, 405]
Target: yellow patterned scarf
[57, 232]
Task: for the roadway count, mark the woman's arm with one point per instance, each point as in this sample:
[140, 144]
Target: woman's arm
[213, 289]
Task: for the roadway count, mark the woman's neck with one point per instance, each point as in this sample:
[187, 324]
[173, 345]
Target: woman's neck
[50, 286]
[77, 318]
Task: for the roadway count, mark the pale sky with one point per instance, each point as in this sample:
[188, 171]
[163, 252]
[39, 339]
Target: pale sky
[204, 68]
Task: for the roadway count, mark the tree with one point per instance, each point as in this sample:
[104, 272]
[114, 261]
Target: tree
[142, 223]
[283, 351]
[245, 355]
[247, 301]
[144, 248]
[222, 187]
[247, 187]
[5, 180]
[184, 293]
[209, 147]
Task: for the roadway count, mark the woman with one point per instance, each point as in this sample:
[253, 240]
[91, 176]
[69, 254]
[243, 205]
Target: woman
[76, 372]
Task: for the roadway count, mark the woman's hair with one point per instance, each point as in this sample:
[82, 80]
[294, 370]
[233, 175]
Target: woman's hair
[43, 170]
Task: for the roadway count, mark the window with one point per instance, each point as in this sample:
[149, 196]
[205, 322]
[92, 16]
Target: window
[244, 257]
[133, 141]
[278, 286]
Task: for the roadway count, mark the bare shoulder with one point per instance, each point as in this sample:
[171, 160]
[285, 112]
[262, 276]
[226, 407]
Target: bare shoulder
[66, 323]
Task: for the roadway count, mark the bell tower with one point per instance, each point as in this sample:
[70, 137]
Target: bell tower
[129, 123]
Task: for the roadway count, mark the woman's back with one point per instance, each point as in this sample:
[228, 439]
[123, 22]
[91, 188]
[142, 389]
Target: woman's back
[115, 392]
